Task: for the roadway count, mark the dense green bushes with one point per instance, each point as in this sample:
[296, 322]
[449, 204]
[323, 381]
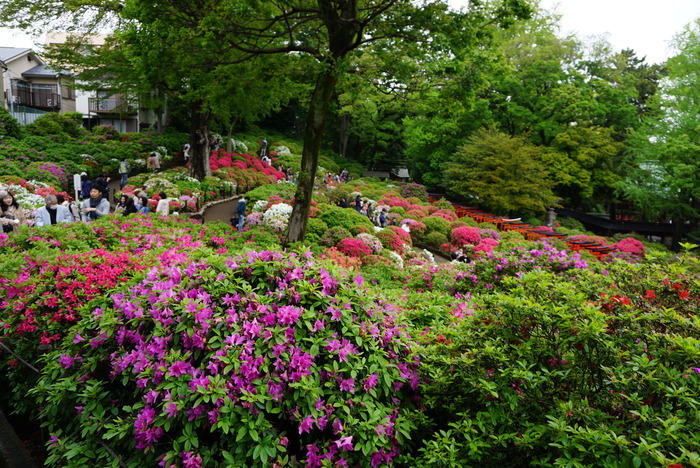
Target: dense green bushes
[582, 370]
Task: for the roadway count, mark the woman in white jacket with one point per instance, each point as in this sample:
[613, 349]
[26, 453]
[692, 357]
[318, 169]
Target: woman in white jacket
[163, 207]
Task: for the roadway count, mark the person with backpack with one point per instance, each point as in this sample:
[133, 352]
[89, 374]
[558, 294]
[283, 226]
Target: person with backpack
[124, 169]
[240, 213]
[381, 219]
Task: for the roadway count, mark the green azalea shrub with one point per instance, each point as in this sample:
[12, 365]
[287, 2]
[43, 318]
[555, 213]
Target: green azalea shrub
[592, 369]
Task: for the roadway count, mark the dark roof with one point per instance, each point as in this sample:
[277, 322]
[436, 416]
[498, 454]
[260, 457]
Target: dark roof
[8, 53]
[43, 70]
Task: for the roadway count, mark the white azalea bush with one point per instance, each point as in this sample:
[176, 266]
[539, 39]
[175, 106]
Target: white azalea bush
[282, 151]
[26, 199]
[260, 206]
[396, 258]
[239, 146]
[277, 216]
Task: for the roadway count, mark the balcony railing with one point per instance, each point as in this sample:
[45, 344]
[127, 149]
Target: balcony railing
[45, 99]
[111, 106]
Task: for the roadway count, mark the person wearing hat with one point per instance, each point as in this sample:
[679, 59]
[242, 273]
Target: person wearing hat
[153, 161]
[85, 186]
[95, 207]
[11, 215]
[52, 213]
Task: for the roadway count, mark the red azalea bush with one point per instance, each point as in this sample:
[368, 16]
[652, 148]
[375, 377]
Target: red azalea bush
[631, 246]
[466, 235]
[391, 240]
[447, 214]
[43, 302]
[405, 236]
[353, 247]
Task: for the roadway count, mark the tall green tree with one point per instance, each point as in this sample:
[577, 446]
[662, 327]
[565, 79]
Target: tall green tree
[502, 173]
[663, 160]
[203, 34]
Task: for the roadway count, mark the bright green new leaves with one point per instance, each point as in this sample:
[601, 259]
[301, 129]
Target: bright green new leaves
[501, 173]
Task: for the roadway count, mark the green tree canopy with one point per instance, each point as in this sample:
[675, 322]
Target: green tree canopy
[663, 159]
[501, 173]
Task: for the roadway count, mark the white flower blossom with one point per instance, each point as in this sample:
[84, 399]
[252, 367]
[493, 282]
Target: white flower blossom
[260, 206]
[396, 258]
[277, 216]
[282, 151]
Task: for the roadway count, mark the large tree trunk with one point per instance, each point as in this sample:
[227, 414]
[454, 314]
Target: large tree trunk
[678, 223]
[201, 139]
[344, 133]
[229, 137]
[313, 134]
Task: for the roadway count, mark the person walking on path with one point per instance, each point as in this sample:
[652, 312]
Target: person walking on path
[358, 203]
[95, 207]
[241, 212]
[11, 215]
[186, 151]
[52, 213]
[124, 169]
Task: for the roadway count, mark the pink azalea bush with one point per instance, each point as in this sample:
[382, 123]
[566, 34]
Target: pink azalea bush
[466, 235]
[391, 240]
[267, 359]
[486, 245]
[353, 247]
[632, 246]
[371, 241]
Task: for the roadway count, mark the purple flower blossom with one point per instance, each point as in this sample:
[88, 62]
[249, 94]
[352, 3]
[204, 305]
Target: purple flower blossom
[370, 382]
[347, 385]
[305, 425]
[344, 443]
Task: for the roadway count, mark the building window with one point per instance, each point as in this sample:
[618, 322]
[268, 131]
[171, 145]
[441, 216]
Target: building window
[67, 92]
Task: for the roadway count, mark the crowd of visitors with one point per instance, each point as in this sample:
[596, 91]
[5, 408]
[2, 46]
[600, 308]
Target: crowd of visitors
[94, 203]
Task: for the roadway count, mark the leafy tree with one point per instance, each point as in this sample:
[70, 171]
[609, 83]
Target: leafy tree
[663, 155]
[501, 173]
[580, 163]
[201, 35]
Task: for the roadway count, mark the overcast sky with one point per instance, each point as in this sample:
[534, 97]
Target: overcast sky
[646, 26]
